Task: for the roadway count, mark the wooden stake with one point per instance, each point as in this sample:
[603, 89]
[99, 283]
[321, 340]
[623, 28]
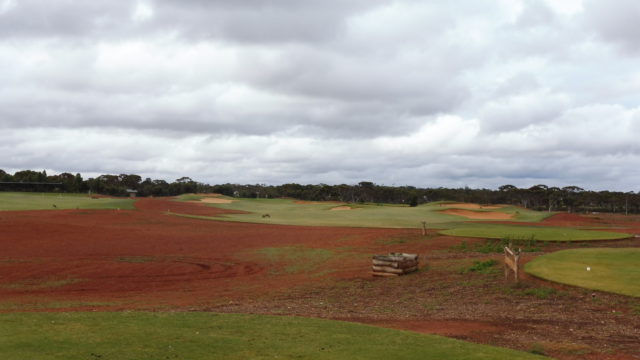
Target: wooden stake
[511, 263]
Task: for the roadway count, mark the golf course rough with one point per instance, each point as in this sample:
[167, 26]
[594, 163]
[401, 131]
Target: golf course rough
[539, 233]
[612, 270]
[13, 201]
[194, 335]
[304, 213]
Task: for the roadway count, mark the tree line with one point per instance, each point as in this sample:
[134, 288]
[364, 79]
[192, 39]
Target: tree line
[537, 197]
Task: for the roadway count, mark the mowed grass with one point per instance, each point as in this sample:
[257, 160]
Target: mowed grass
[290, 212]
[193, 336]
[500, 231]
[46, 201]
[611, 270]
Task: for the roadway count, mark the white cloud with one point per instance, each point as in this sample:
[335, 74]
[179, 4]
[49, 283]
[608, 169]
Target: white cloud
[143, 11]
[429, 94]
[6, 6]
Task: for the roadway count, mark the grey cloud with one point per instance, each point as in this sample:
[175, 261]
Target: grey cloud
[259, 20]
[331, 99]
[615, 21]
[519, 111]
[38, 108]
[535, 14]
[256, 21]
[65, 18]
[518, 84]
[309, 161]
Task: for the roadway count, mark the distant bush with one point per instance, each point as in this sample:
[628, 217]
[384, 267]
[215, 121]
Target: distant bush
[497, 246]
[483, 267]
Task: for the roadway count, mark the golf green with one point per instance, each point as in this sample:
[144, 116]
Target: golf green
[612, 270]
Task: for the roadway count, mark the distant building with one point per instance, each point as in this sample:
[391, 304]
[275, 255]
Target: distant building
[132, 193]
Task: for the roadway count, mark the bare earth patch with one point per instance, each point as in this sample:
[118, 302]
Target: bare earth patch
[478, 215]
[472, 206]
[305, 202]
[341, 208]
[214, 200]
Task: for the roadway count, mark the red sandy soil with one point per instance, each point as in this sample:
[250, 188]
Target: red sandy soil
[304, 202]
[146, 256]
[215, 200]
[342, 208]
[471, 206]
[478, 215]
[146, 259]
[607, 222]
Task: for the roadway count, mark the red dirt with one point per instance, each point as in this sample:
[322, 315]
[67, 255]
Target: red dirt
[304, 202]
[480, 215]
[568, 219]
[608, 222]
[145, 256]
[342, 208]
[471, 206]
[146, 259]
[214, 200]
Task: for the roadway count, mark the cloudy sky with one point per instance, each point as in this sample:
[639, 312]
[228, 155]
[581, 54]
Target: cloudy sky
[475, 93]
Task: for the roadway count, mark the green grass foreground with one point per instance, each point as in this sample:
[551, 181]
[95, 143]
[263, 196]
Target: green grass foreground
[290, 212]
[46, 201]
[612, 270]
[538, 233]
[193, 336]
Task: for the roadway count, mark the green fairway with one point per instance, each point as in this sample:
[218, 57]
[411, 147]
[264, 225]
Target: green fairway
[194, 336]
[46, 201]
[612, 270]
[539, 233]
[290, 212]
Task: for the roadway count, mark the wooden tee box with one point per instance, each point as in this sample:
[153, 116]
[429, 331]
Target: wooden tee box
[394, 264]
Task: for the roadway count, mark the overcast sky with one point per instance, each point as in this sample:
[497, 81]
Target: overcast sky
[477, 93]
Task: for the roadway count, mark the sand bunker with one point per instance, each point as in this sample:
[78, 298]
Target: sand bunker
[213, 200]
[471, 206]
[305, 202]
[478, 215]
[341, 208]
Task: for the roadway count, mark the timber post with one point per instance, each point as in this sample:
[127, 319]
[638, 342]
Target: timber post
[511, 262]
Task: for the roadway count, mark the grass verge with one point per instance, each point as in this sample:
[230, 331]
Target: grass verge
[499, 231]
[196, 336]
[53, 201]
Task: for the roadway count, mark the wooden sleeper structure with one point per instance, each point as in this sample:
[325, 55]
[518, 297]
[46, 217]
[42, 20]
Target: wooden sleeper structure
[394, 264]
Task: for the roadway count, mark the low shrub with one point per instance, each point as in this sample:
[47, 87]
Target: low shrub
[482, 267]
